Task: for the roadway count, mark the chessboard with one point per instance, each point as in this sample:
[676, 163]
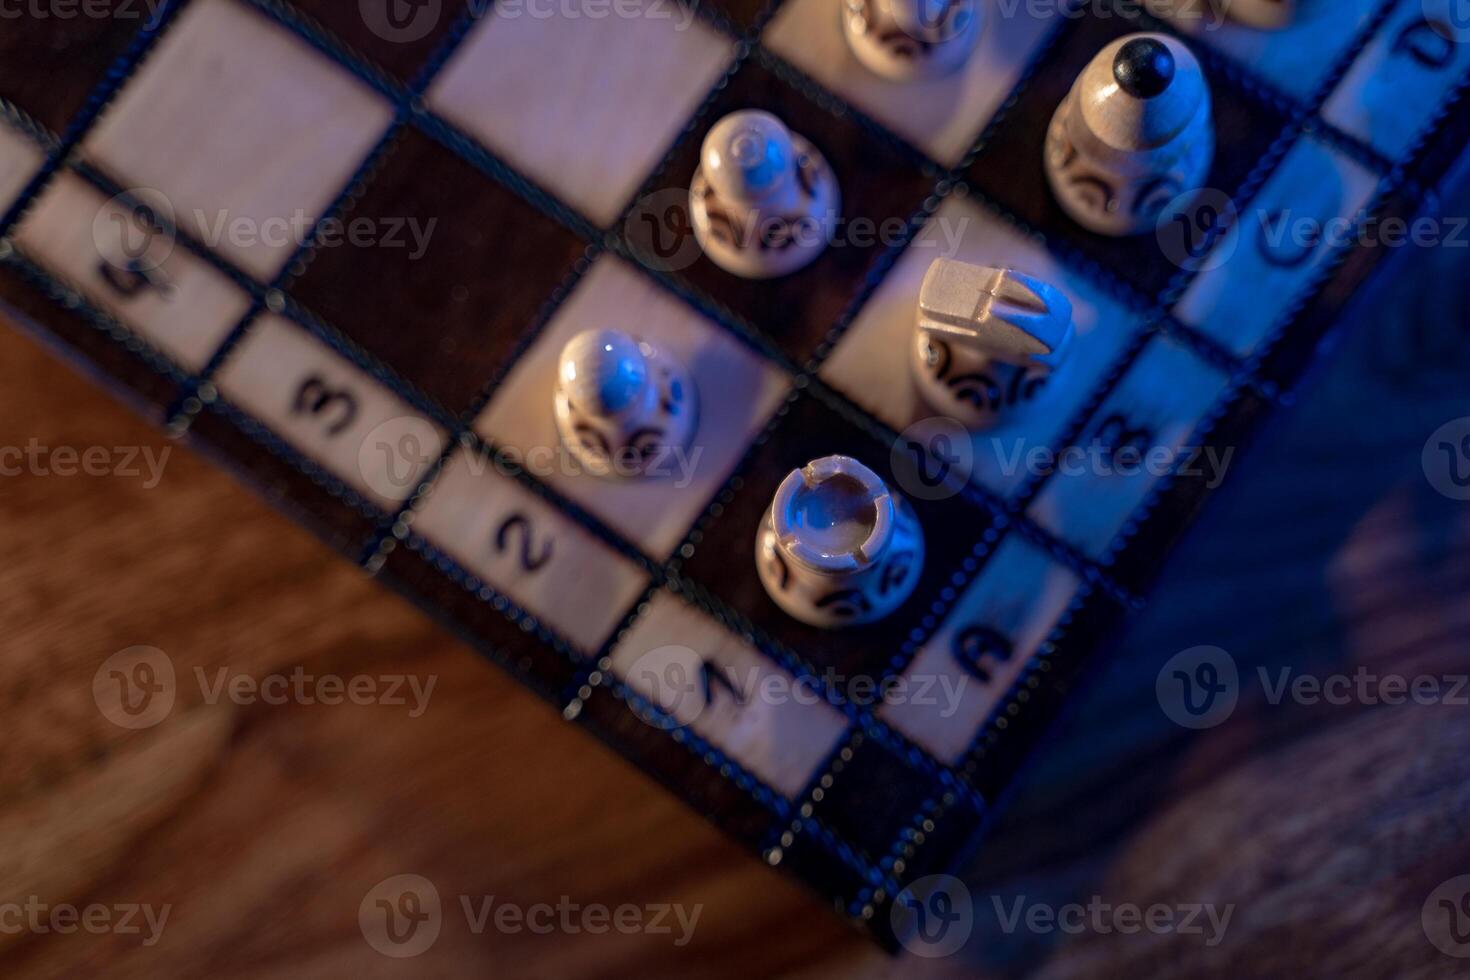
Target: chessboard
[340, 245]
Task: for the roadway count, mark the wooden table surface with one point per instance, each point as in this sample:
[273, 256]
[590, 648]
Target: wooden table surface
[1324, 827]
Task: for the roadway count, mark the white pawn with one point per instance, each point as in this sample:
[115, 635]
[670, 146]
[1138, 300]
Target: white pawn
[1135, 132]
[911, 39]
[623, 406]
[836, 547]
[764, 200]
[987, 340]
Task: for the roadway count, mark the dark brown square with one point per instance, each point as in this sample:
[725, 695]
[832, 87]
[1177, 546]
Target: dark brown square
[879, 183]
[447, 320]
[1009, 168]
[875, 796]
[741, 14]
[724, 558]
[51, 64]
[399, 35]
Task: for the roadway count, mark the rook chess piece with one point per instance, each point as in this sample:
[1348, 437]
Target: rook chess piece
[1134, 133]
[911, 39]
[836, 547]
[622, 405]
[986, 340]
[764, 200]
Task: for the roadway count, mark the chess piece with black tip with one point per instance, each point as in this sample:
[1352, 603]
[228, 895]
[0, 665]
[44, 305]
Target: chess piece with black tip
[622, 406]
[1135, 132]
[905, 40]
[764, 200]
[986, 341]
[837, 547]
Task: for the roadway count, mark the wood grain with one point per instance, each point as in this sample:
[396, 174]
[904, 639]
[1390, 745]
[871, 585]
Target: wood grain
[263, 827]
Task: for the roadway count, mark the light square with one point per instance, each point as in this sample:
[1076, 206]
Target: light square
[246, 130]
[1165, 393]
[187, 320]
[585, 101]
[20, 158]
[871, 363]
[1273, 251]
[529, 550]
[943, 116]
[332, 411]
[1295, 58]
[1020, 593]
[1397, 84]
[782, 733]
[738, 393]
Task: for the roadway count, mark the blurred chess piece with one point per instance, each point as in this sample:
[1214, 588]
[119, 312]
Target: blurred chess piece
[1266, 14]
[1135, 132]
[764, 200]
[911, 39]
[622, 406]
[836, 547]
[987, 340]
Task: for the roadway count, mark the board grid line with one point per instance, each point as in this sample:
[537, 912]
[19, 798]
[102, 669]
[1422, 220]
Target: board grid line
[409, 112]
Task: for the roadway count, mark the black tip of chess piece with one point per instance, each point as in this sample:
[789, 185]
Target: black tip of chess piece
[1144, 67]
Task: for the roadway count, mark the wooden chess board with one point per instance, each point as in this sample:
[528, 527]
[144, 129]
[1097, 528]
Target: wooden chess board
[339, 245]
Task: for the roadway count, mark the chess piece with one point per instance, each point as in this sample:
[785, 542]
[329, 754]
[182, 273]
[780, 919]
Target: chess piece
[1268, 15]
[905, 40]
[1134, 133]
[836, 547]
[764, 201]
[987, 340]
[622, 405]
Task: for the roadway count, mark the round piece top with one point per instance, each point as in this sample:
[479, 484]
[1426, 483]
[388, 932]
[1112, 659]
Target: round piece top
[834, 515]
[747, 155]
[1142, 91]
[1143, 67]
[602, 371]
